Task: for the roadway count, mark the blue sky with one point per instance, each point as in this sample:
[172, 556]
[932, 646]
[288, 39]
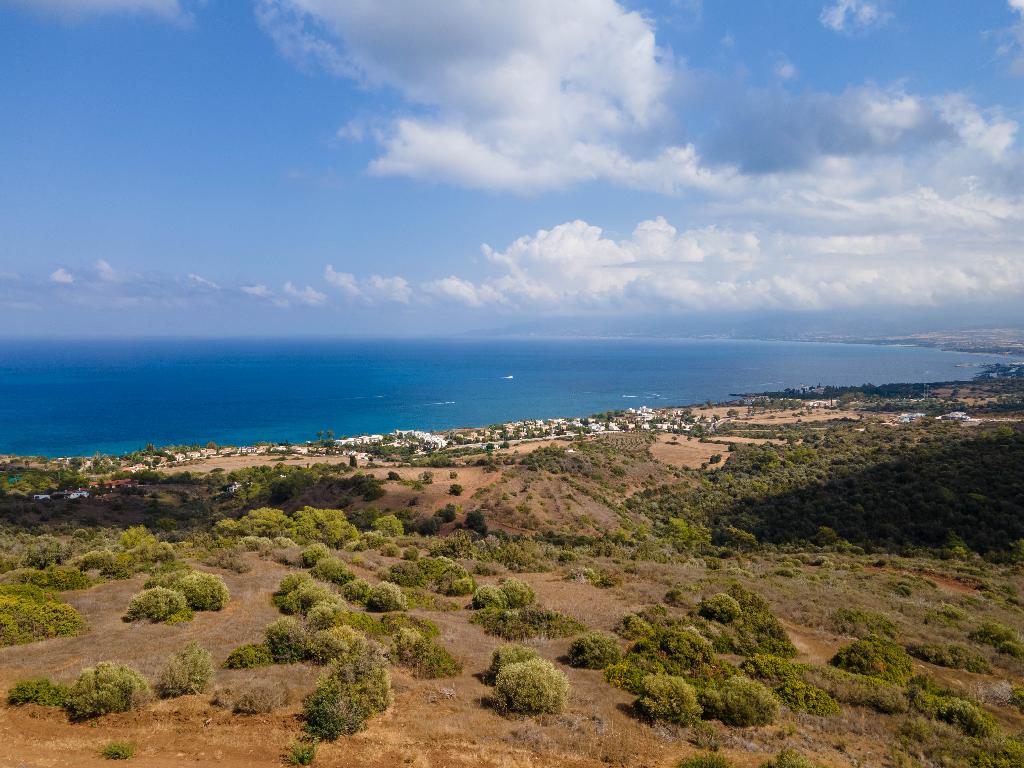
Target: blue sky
[401, 167]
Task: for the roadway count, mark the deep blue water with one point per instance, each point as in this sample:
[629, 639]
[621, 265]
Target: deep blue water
[69, 398]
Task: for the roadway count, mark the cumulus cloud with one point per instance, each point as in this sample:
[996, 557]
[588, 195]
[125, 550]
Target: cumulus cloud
[307, 296]
[1011, 45]
[259, 291]
[73, 10]
[853, 15]
[61, 276]
[201, 282]
[105, 272]
[395, 288]
[344, 281]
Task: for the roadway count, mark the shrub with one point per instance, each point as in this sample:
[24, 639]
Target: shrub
[187, 672]
[787, 758]
[336, 644]
[59, 578]
[741, 702]
[705, 761]
[286, 640]
[301, 753]
[38, 690]
[1017, 697]
[531, 688]
[505, 655]
[203, 591]
[489, 597]
[158, 604]
[298, 595]
[27, 614]
[389, 525]
[249, 656]
[255, 697]
[118, 750]
[668, 699]
[333, 570]
[518, 594]
[348, 697]
[858, 623]
[357, 591]
[425, 658]
[756, 629]
[722, 608]
[313, 554]
[524, 623]
[633, 627]
[859, 690]
[675, 651]
[594, 650]
[801, 696]
[953, 656]
[875, 657]
[103, 689]
[1000, 637]
[386, 597]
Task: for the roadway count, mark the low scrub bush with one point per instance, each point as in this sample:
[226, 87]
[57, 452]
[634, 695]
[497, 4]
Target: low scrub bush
[756, 629]
[953, 656]
[357, 591]
[1002, 638]
[59, 578]
[332, 569]
[425, 658]
[103, 689]
[859, 690]
[705, 761]
[301, 752]
[668, 699]
[203, 591]
[722, 608]
[740, 702]
[518, 594]
[298, 593]
[158, 604]
[489, 597]
[249, 656]
[188, 672]
[788, 758]
[505, 655]
[387, 597]
[531, 687]
[254, 697]
[875, 657]
[27, 614]
[313, 554]
[118, 750]
[346, 698]
[525, 623]
[859, 623]
[38, 690]
[785, 678]
[943, 705]
[286, 640]
[594, 650]
[633, 627]
[339, 644]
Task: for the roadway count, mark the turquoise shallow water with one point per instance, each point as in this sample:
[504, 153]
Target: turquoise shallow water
[69, 398]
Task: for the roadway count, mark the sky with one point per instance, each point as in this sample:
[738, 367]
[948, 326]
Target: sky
[401, 167]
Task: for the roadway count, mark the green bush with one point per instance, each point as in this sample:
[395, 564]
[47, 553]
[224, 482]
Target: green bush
[158, 604]
[858, 623]
[339, 644]
[858, 690]
[676, 651]
[249, 656]
[953, 656]
[1002, 638]
[357, 591]
[875, 657]
[187, 672]
[203, 591]
[722, 608]
[594, 650]
[668, 699]
[524, 623]
[118, 750]
[347, 697]
[531, 688]
[298, 593]
[425, 658]
[103, 689]
[741, 702]
[313, 554]
[756, 629]
[386, 597]
[38, 690]
[286, 640]
[705, 761]
[633, 627]
[518, 594]
[789, 688]
[301, 753]
[389, 525]
[1017, 697]
[334, 570]
[788, 758]
[27, 614]
[59, 578]
[503, 656]
[489, 597]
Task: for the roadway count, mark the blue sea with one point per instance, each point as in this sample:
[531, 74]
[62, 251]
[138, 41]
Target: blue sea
[77, 398]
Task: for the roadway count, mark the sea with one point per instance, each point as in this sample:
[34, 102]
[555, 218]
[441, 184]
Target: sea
[69, 398]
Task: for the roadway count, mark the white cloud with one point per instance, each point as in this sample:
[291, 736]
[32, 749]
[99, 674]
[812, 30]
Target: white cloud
[394, 288]
[785, 69]
[344, 281]
[308, 296]
[71, 10]
[853, 15]
[523, 95]
[1011, 44]
[105, 272]
[199, 281]
[61, 276]
[259, 291]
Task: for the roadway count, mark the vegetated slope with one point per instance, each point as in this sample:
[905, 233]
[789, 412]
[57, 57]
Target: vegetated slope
[878, 488]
